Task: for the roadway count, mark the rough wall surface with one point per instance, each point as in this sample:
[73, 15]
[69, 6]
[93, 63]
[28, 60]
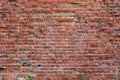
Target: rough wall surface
[60, 39]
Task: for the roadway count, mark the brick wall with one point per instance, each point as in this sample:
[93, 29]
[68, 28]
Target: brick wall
[60, 39]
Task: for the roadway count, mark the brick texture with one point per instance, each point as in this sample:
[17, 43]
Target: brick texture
[60, 39]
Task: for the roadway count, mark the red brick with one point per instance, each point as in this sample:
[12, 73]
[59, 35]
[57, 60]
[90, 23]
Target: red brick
[51, 0]
[69, 19]
[71, 1]
[99, 0]
[59, 39]
[90, 0]
[60, 19]
[61, 0]
[41, 0]
[32, 0]
[109, 0]
[57, 79]
[21, 1]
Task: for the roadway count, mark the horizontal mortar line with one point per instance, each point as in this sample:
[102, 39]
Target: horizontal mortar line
[69, 67]
[49, 69]
[57, 70]
[65, 54]
[64, 71]
[52, 73]
[52, 49]
[58, 43]
[65, 64]
[71, 2]
[97, 61]
[16, 45]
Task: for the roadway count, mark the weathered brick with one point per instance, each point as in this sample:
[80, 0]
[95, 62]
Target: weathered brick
[59, 39]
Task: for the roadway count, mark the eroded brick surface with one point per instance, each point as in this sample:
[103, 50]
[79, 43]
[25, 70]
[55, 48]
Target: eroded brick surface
[60, 39]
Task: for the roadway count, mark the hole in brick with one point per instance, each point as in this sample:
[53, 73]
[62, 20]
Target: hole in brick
[24, 62]
[12, 31]
[39, 65]
[2, 68]
[117, 31]
[5, 55]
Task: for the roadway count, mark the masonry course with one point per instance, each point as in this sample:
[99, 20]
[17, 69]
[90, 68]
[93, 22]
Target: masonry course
[60, 39]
